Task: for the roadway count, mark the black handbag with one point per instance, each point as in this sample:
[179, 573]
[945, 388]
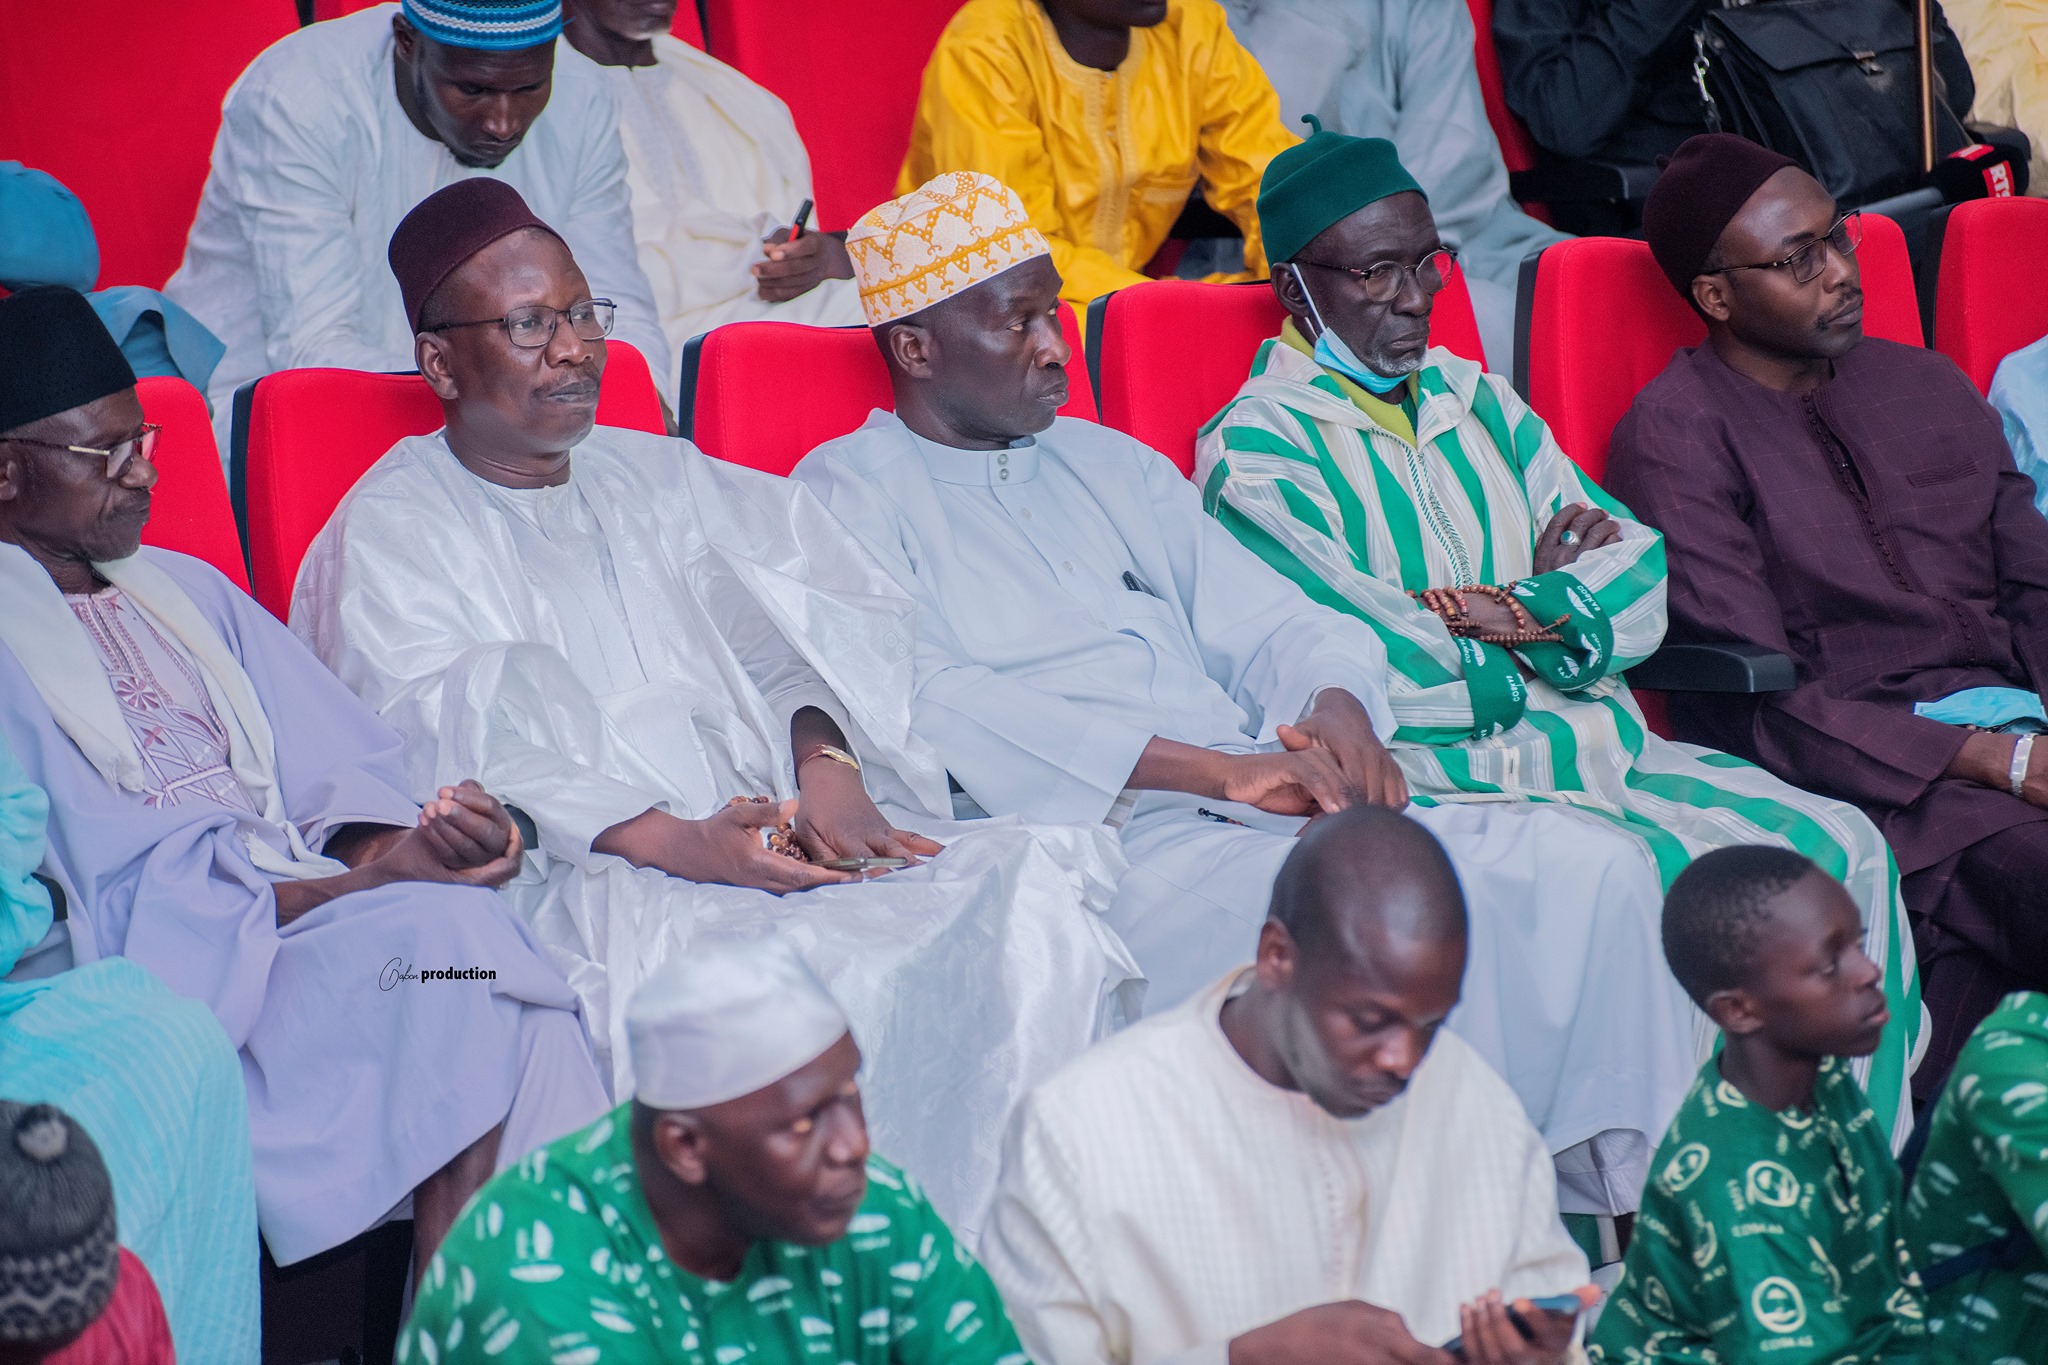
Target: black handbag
[1833, 84]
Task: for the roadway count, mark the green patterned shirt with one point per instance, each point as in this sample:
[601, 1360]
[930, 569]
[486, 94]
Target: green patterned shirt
[557, 1261]
[1767, 1237]
[1985, 1172]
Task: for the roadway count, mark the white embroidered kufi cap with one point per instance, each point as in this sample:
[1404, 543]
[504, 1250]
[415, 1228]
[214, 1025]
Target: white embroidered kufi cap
[949, 234]
[723, 1021]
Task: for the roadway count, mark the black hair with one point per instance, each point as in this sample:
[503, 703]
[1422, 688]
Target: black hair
[1357, 848]
[1715, 912]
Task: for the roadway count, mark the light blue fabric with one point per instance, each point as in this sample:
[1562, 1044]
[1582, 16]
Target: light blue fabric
[46, 237]
[2020, 393]
[1333, 353]
[1988, 708]
[154, 1080]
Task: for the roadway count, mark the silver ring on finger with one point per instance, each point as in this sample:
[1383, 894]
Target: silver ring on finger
[1569, 538]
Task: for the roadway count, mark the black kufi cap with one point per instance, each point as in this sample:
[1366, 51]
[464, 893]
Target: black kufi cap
[59, 1255]
[55, 355]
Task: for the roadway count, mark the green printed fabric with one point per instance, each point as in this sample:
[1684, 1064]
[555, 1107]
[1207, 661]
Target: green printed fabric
[557, 1261]
[1301, 472]
[1983, 1175]
[1767, 1236]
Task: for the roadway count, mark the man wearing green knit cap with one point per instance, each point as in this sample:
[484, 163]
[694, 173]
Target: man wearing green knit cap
[1410, 488]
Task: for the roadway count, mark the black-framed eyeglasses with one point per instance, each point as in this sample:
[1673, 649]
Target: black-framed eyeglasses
[118, 456]
[1383, 282]
[533, 326]
[1805, 264]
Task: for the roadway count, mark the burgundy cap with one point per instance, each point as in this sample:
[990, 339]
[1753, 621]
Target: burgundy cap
[1705, 184]
[447, 228]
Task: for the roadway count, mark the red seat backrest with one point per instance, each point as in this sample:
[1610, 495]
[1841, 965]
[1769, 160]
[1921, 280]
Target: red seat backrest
[120, 100]
[1604, 322]
[189, 509]
[312, 433]
[1173, 352]
[742, 412]
[1517, 147]
[1992, 295]
[850, 74]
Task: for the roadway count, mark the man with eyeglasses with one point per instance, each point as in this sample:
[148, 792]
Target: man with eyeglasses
[697, 686]
[337, 130]
[1410, 488]
[1092, 648]
[224, 814]
[1852, 503]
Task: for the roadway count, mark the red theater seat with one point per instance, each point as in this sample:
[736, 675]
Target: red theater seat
[1170, 354]
[188, 509]
[850, 75]
[736, 383]
[1602, 321]
[1992, 294]
[120, 100]
[1517, 147]
[306, 436]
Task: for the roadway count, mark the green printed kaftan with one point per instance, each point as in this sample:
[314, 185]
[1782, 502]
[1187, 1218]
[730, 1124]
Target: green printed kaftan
[557, 1261]
[1983, 1174]
[1359, 501]
[1767, 1237]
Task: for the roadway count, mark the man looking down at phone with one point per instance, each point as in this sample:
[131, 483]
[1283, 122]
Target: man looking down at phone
[632, 643]
[1300, 1164]
[1093, 648]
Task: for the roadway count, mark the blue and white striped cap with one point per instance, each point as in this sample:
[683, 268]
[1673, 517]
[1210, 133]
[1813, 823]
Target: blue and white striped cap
[493, 25]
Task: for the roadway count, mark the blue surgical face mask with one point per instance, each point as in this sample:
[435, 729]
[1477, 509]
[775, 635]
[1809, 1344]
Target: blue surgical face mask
[1333, 353]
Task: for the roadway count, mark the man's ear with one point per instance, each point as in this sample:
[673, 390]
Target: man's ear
[680, 1144]
[1287, 288]
[1278, 954]
[13, 474]
[405, 37]
[430, 352]
[1710, 296]
[910, 347]
[1735, 1010]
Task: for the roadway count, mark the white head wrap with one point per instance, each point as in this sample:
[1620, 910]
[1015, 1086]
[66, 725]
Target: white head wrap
[723, 1021]
[949, 234]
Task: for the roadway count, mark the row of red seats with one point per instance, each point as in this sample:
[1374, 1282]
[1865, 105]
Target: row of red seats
[137, 153]
[1601, 323]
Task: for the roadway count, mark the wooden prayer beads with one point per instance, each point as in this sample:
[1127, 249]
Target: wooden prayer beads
[782, 838]
[1451, 606]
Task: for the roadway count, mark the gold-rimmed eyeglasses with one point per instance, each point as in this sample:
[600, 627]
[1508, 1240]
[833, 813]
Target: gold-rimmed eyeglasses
[117, 456]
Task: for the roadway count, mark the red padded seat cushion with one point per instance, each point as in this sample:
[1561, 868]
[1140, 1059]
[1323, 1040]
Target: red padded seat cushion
[120, 100]
[313, 433]
[1605, 322]
[1992, 295]
[850, 74]
[744, 411]
[1173, 352]
[189, 509]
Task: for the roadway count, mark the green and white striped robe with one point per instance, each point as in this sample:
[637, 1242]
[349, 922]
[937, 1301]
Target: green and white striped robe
[1358, 517]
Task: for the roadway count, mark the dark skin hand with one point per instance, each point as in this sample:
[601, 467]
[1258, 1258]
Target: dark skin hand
[1331, 760]
[464, 838]
[478, 104]
[1986, 759]
[793, 269]
[1812, 994]
[1594, 529]
[1763, 323]
[833, 817]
